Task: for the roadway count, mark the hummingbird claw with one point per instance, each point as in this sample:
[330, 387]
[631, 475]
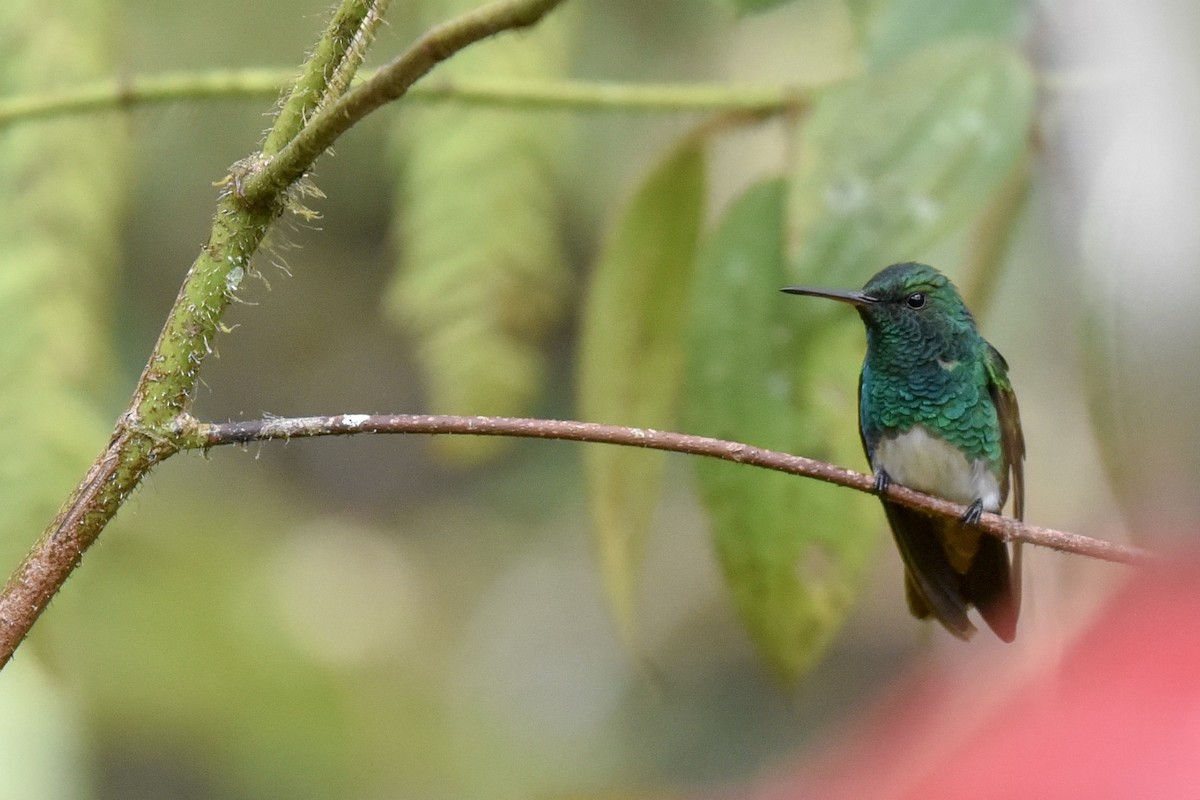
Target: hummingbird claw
[882, 482]
[973, 513]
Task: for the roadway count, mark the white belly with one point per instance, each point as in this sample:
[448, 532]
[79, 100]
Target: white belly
[928, 464]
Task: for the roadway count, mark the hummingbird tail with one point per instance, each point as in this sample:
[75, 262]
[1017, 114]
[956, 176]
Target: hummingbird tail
[994, 588]
[934, 588]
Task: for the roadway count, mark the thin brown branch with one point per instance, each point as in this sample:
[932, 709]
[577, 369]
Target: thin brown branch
[197, 435]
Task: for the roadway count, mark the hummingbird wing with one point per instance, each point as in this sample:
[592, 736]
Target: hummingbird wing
[1001, 605]
[1012, 441]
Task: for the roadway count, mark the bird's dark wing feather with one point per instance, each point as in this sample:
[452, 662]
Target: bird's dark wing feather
[994, 587]
[929, 572]
[1012, 442]
[1005, 606]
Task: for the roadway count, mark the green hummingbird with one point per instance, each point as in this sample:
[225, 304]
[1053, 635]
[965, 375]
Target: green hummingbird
[937, 413]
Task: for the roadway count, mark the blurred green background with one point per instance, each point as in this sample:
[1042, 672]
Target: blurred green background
[371, 617]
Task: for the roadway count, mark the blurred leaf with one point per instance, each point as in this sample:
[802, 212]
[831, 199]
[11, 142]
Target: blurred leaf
[793, 550]
[61, 184]
[631, 358]
[1105, 382]
[862, 11]
[202, 644]
[482, 276]
[42, 742]
[890, 163]
[898, 28]
[1116, 354]
[755, 6]
[992, 234]
[887, 166]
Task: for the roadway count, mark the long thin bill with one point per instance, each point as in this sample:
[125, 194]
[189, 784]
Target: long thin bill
[853, 298]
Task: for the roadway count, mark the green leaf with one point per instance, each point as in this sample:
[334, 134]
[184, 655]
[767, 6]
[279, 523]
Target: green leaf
[890, 163]
[632, 355]
[43, 746]
[793, 549]
[61, 184]
[901, 27]
[991, 236]
[887, 166]
[482, 275]
[754, 6]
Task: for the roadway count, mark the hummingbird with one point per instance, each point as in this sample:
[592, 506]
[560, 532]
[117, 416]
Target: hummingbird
[937, 413]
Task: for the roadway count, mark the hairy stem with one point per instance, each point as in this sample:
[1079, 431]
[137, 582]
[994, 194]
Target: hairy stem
[388, 84]
[338, 53]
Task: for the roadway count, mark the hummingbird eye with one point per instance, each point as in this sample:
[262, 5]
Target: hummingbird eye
[916, 300]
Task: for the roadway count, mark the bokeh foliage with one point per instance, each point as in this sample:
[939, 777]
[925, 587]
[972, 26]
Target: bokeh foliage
[195, 604]
[887, 165]
[62, 196]
[482, 275]
[631, 358]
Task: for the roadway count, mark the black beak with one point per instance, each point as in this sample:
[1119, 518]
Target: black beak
[858, 299]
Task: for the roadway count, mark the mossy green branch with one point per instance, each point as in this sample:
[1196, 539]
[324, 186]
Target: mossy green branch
[149, 430]
[170, 376]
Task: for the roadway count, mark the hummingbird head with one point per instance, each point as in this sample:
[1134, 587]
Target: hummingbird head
[907, 305]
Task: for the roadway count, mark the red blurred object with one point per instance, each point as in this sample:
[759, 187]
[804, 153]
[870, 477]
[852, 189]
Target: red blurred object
[1117, 716]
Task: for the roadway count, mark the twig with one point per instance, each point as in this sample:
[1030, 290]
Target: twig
[576, 95]
[196, 435]
[548, 94]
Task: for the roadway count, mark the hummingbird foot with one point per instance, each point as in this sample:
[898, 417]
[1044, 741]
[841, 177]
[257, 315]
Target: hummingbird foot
[882, 482]
[973, 513]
